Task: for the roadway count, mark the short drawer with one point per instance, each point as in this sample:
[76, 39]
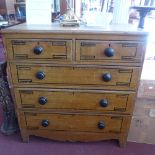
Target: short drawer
[75, 100]
[40, 49]
[76, 122]
[109, 51]
[126, 78]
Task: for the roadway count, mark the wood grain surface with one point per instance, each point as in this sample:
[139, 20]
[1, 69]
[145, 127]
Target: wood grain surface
[87, 95]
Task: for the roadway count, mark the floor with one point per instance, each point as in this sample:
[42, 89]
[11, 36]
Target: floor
[38, 146]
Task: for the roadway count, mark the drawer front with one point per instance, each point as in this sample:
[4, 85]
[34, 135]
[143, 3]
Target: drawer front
[84, 76]
[40, 49]
[109, 51]
[75, 100]
[75, 122]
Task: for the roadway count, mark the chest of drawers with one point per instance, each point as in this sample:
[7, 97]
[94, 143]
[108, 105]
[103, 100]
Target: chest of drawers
[74, 84]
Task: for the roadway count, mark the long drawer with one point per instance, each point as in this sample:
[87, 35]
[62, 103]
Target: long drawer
[74, 100]
[109, 51]
[76, 122]
[58, 50]
[125, 78]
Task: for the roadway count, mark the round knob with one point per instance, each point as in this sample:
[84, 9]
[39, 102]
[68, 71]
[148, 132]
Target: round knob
[45, 123]
[38, 50]
[109, 52]
[101, 125]
[107, 77]
[104, 103]
[40, 75]
[42, 100]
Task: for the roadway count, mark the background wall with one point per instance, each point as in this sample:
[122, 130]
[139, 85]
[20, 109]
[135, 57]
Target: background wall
[7, 7]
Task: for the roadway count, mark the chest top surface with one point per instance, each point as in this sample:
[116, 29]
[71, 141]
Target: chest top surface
[55, 28]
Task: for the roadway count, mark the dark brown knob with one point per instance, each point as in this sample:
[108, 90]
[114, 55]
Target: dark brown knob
[40, 75]
[109, 52]
[43, 100]
[45, 123]
[101, 125]
[38, 50]
[104, 103]
[106, 77]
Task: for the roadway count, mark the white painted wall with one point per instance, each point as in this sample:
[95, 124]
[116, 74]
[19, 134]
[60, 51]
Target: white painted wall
[38, 11]
[121, 12]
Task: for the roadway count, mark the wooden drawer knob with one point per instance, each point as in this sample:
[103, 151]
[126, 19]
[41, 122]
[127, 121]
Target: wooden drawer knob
[45, 123]
[101, 125]
[109, 52]
[43, 100]
[104, 103]
[40, 75]
[106, 77]
[38, 50]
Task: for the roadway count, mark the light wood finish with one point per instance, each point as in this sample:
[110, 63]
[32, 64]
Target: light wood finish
[124, 51]
[52, 49]
[75, 100]
[74, 122]
[54, 29]
[78, 103]
[125, 78]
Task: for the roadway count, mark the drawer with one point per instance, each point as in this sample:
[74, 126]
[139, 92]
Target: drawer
[109, 51]
[75, 122]
[40, 49]
[68, 76]
[75, 100]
